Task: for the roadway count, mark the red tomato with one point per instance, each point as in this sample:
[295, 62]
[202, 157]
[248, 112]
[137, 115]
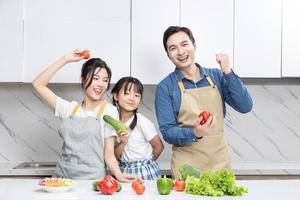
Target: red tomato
[139, 188]
[205, 115]
[134, 184]
[85, 54]
[179, 185]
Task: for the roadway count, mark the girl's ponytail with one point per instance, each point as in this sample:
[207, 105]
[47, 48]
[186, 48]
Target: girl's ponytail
[134, 121]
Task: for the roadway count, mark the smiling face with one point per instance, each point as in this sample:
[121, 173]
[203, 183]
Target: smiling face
[98, 86]
[181, 50]
[128, 98]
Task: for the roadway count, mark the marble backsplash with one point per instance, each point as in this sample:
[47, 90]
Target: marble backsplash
[266, 138]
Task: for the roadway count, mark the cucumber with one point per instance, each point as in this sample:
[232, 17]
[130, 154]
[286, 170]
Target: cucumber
[116, 124]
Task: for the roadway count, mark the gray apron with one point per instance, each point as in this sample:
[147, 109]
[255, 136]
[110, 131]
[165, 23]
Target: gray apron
[210, 152]
[82, 151]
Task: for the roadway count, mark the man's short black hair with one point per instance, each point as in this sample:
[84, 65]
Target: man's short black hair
[175, 29]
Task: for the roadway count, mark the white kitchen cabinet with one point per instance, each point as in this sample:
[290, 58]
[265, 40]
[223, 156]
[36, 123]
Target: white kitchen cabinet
[78, 10]
[11, 41]
[212, 25]
[257, 38]
[45, 42]
[290, 38]
[53, 28]
[149, 61]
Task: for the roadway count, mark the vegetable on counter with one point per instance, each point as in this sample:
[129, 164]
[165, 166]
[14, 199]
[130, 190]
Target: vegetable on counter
[95, 183]
[164, 185]
[218, 183]
[119, 187]
[138, 187]
[187, 170]
[179, 185]
[116, 124]
[108, 185]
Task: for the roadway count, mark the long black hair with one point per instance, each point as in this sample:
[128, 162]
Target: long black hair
[127, 83]
[88, 71]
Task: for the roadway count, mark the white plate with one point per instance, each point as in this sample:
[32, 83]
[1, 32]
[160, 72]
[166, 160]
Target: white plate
[57, 189]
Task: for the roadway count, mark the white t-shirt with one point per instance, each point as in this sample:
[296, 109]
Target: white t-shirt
[138, 146]
[64, 108]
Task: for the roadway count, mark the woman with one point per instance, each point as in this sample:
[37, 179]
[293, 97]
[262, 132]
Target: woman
[87, 140]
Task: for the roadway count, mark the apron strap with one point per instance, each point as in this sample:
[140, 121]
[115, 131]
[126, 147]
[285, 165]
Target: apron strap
[209, 80]
[182, 89]
[74, 110]
[181, 86]
[101, 109]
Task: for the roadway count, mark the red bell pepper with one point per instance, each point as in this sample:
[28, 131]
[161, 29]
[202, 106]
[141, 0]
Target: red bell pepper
[205, 115]
[108, 185]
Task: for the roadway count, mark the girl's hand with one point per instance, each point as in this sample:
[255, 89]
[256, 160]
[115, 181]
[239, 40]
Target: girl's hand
[123, 136]
[73, 56]
[128, 178]
[206, 129]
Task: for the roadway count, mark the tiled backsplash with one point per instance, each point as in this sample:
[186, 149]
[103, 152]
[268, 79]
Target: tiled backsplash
[266, 138]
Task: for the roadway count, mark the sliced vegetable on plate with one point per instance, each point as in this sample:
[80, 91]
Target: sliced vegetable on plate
[56, 184]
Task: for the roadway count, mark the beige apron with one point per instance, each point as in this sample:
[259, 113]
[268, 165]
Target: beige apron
[210, 152]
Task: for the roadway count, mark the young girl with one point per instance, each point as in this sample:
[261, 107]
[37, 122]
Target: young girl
[87, 140]
[141, 146]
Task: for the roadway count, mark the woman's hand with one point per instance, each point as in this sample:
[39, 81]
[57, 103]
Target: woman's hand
[73, 56]
[206, 129]
[128, 178]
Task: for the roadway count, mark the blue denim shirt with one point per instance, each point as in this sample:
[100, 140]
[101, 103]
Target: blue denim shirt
[168, 100]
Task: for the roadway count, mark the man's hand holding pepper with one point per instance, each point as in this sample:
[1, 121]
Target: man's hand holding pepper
[206, 129]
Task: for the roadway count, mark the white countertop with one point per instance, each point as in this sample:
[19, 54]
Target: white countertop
[7, 169]
[11, 189]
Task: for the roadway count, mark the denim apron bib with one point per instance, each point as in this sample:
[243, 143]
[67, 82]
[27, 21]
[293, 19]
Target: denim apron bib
[210, 152]
[82, 151]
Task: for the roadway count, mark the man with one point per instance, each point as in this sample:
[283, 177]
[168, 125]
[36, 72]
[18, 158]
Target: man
[186, 92]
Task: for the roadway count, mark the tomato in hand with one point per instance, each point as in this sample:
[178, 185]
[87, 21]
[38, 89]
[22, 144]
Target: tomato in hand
[205, 115]
[139, 188]
[179, 185]
[85, 54]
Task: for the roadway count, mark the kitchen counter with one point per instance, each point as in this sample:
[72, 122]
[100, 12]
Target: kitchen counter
[11, 189]
[8, 169]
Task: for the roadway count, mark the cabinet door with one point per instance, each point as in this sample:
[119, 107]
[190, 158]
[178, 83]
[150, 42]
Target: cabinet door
[257, 38]
[149, 21]
[291, 38]
[53, 29]
[78, 10]
[11, 41]
[212, 25]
